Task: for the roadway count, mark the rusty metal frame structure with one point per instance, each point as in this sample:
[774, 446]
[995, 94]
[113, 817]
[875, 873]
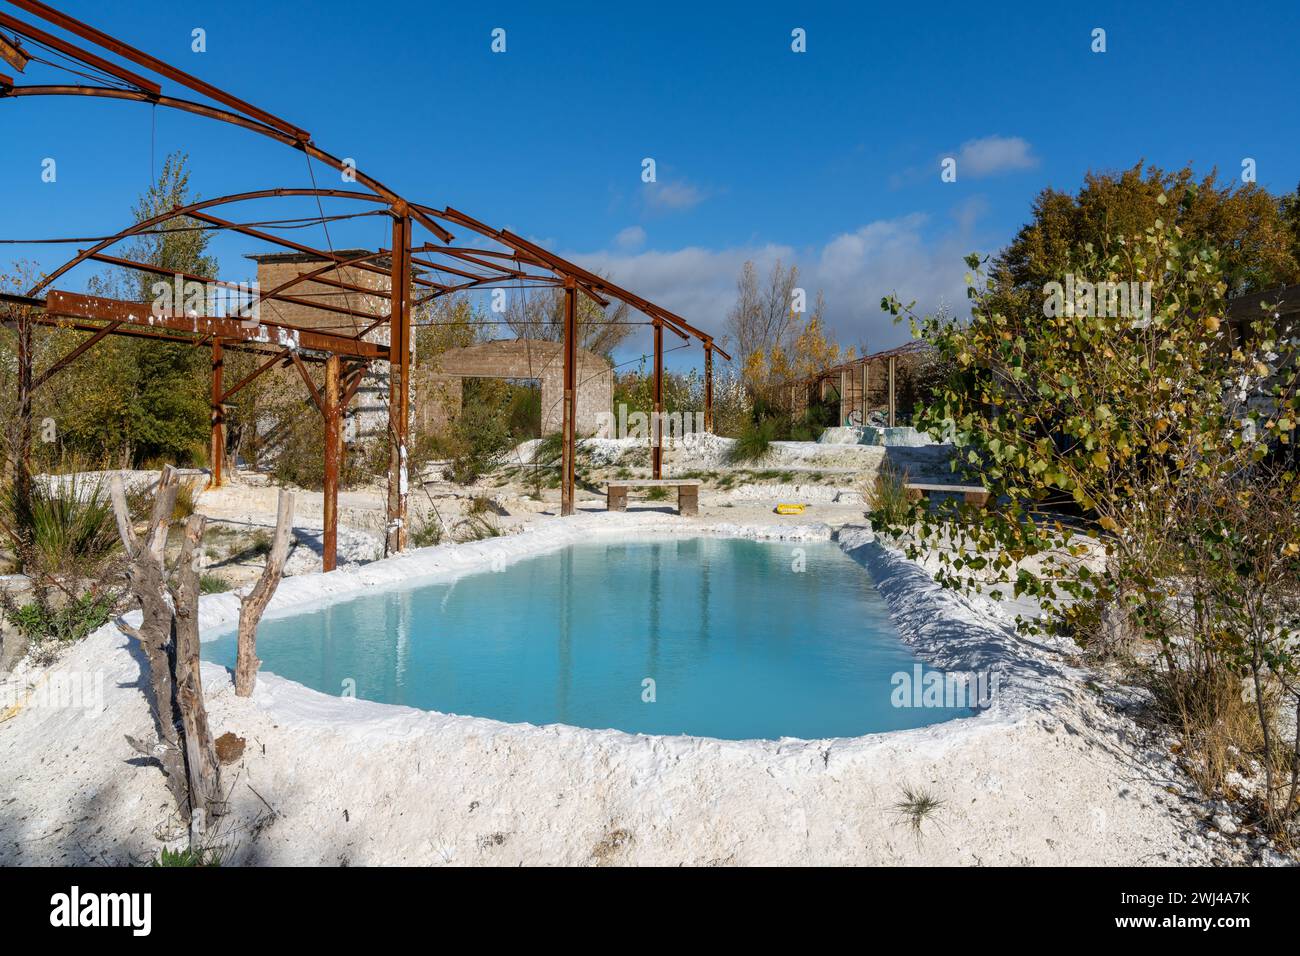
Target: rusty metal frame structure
[839, 377]
[416, 268]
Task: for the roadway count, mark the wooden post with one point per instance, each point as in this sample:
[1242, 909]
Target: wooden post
[569, 450]
[217, 447]
[252, 604]
[891, 391]
[657, 452]
[399, 386]
[708, 387]
[844, 396]
[200, 748]
[333, 449]
[866, 401]
[168, 636]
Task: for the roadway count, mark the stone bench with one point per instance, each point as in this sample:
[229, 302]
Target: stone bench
[974, 494]
[688, 493]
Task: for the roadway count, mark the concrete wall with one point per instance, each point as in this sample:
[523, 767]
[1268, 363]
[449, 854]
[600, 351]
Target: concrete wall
[438, 384]
[368, 414]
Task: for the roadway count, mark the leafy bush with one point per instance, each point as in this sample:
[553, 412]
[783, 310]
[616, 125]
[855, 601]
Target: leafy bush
[52, 616]
[1168, 430]
[481, 433]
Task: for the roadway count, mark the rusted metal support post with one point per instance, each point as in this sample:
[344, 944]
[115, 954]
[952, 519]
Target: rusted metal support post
[891, 392]
[333, 447]
[20, 447]
[570, 395]
[217, 446]
[657, 453]
[708, 387]
[399, 385]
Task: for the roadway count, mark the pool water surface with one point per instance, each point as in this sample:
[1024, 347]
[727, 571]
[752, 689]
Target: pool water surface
[715, 637]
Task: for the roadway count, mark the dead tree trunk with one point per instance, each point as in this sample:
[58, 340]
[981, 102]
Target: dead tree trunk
[252, 604]
[200, 749]
[169, 639]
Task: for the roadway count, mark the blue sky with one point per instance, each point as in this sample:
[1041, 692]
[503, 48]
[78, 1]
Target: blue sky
[829, 158]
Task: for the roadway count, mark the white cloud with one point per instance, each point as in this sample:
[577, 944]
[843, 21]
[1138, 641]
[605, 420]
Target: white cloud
[633, 237]
[990, 155]
[853, 269]
[674, 195]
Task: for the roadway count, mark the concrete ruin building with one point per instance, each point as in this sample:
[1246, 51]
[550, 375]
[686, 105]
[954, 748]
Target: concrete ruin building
[437, 385]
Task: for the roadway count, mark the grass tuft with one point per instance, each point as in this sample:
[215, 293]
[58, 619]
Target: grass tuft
[916, 807]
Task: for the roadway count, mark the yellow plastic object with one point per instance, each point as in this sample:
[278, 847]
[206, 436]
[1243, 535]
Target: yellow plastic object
[790, 509]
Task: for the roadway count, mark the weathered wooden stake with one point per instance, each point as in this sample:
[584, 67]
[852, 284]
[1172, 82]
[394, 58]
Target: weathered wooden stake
[200, 748]
[252, 604]
[169, 619]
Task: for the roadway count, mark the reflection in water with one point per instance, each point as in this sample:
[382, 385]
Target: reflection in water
[738, 644]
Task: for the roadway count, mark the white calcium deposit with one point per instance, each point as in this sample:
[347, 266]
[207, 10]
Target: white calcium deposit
[1047, 774]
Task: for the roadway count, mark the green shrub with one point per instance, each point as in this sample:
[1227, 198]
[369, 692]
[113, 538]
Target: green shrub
[186, 502]
[477, 528]
[49, 618]
[260, 544]
[754, 441]
[213, 584]
[427, 532]
[187, 856]
[887, 499]
[66, 527]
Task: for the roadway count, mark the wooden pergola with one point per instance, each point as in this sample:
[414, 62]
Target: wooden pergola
[421, 261]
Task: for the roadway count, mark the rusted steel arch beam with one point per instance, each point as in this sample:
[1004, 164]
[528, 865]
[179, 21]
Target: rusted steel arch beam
[444, 268]
[12, 52]
[73, 325]
[488, 282]
[199, 109]
[76, 306]
[262, 296]
[584, 276]
[478, 256]
[298, 246]
[77, 53]
[73, 355]
[518, 254]
[280, 356]
[306, 377]
[189, 211]
[128, 52]
[503, 273]
[631, 298]
[318, 275]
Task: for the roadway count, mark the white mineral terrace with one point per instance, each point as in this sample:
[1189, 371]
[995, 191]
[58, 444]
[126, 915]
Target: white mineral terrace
[1045, 775]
